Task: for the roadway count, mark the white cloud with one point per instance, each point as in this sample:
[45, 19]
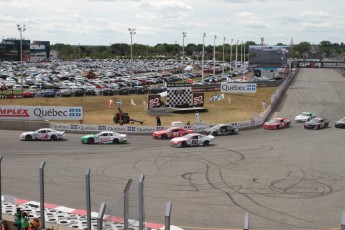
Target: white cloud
[159, 21]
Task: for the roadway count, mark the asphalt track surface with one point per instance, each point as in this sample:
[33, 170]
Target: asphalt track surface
[286, 179]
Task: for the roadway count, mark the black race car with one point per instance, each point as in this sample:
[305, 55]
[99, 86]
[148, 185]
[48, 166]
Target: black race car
[221, 129]
[316, 123]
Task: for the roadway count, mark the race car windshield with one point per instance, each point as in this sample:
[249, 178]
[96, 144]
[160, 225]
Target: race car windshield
[315, 120]
[188, 136]
[305, 114]
[275, 121]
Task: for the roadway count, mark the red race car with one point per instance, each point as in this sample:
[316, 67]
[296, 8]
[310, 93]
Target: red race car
[171, 132]
[277, 123]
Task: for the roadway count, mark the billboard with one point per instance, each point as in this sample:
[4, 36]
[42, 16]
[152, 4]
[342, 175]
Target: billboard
[262, 56]
[198, 99]
[232, 87]
[39, 113]
[317, 64]
[37, 47]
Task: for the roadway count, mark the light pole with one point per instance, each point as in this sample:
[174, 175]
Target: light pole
[236, 54]
[231, 53]
[21, 29]
[214, 55]
[203, 57]
[131, 32]
[184, 34]
[223, 53]
[244, 53]
[241, 53]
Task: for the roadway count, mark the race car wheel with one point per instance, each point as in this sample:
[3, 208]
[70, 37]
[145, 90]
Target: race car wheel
[90, 141]
[53, 138]
[164, 136]
[288, 124]
[232, 132]
[215, 133]
[184, 144]
[206, 143]
[116, 141]
[277, 127]
[28, 138]
[318, 127]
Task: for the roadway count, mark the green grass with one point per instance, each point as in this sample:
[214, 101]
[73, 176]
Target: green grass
[96, 111]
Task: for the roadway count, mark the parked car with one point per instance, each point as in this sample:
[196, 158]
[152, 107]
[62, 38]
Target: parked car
[28, 94]
[48, 93]
[192, 139]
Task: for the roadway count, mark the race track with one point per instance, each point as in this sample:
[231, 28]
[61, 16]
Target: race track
[286, 179]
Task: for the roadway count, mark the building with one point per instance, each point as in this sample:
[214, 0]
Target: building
[35, 51]
[39, 50]
[10, 50]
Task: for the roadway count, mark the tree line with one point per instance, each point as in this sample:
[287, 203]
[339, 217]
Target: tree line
[325, 49]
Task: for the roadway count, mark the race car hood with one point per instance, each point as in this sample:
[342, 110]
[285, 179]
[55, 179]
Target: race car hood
[27, 133]
[270, 123]
[178, 139]
[159, 132]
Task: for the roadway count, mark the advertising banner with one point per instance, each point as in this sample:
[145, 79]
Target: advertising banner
[198, 99]
[38, 113]
[11, 93]
[232, 87]
[317, 64]
[154, 101]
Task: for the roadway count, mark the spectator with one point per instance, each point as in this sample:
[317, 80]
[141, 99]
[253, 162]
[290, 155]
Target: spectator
[197, 117]
[25, 221]
[17, 219]
[263, 105]
[158, 119]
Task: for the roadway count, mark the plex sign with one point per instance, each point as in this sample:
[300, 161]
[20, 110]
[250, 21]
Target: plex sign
[38, 113]
[316, 64]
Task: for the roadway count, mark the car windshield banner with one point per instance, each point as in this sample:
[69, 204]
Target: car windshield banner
[38, 113]
[233, 87]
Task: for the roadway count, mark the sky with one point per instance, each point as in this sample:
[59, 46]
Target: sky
[105, 22]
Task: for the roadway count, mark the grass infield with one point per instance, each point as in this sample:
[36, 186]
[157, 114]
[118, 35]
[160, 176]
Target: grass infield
[242, 107]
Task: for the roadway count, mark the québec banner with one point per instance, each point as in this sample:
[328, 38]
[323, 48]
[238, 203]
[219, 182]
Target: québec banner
[39, 113]
[227, 87]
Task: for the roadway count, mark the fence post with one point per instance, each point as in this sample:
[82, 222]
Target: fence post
[141, 202]
[0, 190]
[343, 220]
[42, 212]
[126, 204]
[88, 198]
[246, 221]
[100, 216]
[167, 215]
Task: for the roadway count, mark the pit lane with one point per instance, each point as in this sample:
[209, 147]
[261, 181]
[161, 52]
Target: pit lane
[287, 179]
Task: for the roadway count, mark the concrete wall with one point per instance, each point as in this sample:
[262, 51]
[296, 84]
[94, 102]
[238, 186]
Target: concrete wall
[23, 125]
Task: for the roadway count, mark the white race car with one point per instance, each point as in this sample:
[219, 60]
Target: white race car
[43, 134]
[304, 117]
[192, 139]
[105, 137]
